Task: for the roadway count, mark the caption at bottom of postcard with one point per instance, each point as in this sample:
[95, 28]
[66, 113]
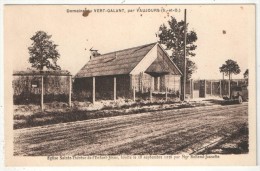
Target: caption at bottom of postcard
[134, 157]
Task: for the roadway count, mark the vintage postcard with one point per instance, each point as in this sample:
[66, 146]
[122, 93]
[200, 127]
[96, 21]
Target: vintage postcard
[130, 85]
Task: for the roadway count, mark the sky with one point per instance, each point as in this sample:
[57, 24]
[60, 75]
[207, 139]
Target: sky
[224, 32]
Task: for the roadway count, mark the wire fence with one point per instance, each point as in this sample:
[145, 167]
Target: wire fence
[210, 88]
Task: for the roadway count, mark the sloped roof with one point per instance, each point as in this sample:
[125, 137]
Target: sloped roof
[115, 63]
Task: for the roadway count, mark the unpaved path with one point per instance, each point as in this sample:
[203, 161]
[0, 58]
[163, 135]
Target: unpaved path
[163, 132]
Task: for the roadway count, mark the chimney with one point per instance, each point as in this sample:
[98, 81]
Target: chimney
[93, 53]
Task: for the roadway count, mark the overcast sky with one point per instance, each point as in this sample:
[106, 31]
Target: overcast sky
[112, 31]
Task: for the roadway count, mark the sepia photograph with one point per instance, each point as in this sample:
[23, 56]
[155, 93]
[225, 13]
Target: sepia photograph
[145, 84]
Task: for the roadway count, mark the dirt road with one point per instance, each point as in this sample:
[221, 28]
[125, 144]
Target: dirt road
[163, 132]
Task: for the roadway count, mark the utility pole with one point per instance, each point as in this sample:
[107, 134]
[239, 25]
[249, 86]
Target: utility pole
[184, 70]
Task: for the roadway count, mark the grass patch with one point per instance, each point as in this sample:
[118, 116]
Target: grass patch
[26, 116]
[75, 114]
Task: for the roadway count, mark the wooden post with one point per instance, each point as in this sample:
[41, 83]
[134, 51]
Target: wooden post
[151, 94]
[94, 90]
[205, 88]
[114, 88]
[42, 95]
[158, 84]
[229, 95]
[151, 88]
[179, 87]
[134, 93]
[166, 87]
[70, 88]
[142, 86]
[191, 88]
[133, 86]
[237, 83]
[174, 83]
[220, 89]
[211, 87]
[166, 93]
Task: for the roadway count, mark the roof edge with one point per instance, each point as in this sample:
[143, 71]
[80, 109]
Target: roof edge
[122, 50]
[144, 56]
[45, 72]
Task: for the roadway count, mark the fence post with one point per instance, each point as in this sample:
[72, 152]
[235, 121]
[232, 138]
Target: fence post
[42, 94]
[114, 88]
[205, 87]
[70, 89]
[220, 89]
[191, 89]
[229, 95]
[211, 87]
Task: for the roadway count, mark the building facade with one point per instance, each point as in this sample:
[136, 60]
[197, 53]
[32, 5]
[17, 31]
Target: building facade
[145, 69]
